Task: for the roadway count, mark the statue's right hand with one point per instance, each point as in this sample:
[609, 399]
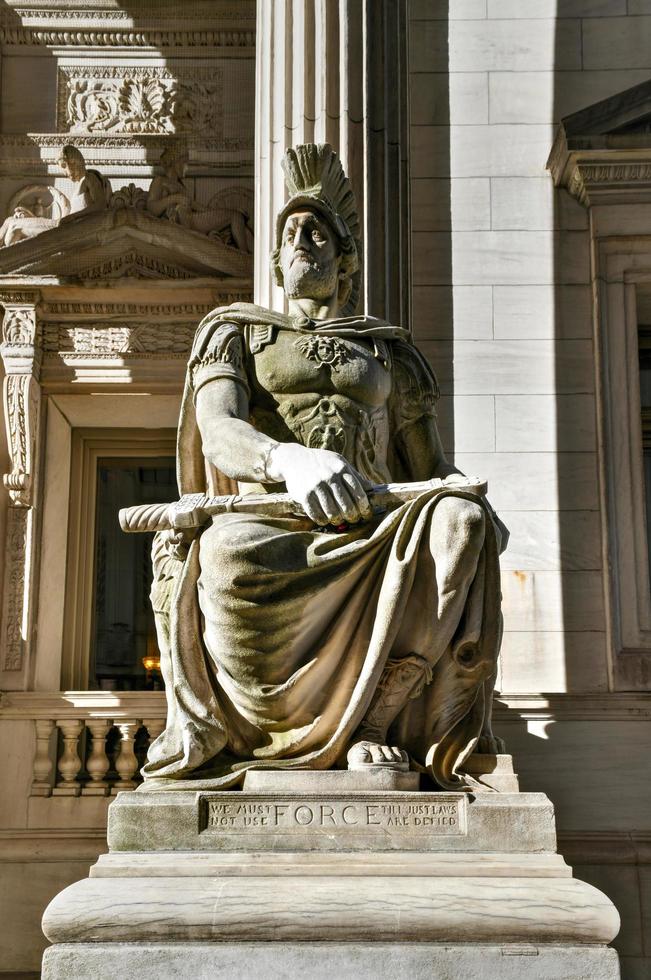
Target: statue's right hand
[327, 487]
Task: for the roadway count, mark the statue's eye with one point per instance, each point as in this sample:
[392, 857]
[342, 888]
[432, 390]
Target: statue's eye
[318, 236]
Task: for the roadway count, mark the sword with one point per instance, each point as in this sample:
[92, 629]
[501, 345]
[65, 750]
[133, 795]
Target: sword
[194, 510]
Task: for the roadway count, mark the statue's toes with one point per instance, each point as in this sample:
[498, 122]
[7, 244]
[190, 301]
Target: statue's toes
[359, 755]
[366, 753]
[490, 745]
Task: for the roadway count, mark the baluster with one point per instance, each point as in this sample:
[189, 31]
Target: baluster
[154, 727]
[98, 763]
[126, 762]
[43, 763]
[70, 763]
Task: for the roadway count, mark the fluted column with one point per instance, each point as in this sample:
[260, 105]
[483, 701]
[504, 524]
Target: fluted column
[335, 71]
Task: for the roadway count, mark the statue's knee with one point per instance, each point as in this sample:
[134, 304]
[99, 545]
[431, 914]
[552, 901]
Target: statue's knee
[460, 520]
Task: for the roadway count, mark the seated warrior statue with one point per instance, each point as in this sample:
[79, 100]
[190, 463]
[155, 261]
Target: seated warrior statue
[92, 192]
[345, 636]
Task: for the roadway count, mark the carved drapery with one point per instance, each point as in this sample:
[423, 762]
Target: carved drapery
[359, 106]
[21, 355]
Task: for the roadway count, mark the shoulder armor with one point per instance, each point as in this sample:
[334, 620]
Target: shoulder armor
[258, 335]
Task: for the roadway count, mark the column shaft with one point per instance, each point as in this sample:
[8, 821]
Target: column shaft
[335, 71]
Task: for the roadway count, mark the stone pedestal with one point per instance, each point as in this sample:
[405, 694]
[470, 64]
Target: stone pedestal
[338, 873]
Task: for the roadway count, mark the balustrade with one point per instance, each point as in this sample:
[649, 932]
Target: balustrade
[90, 756]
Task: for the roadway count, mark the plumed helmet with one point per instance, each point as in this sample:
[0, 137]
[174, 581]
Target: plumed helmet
[316, 181]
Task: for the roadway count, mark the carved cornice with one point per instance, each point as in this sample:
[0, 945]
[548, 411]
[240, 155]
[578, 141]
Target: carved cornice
[35, 153]
[603, 152]
[125, 38]
[78, 310]
[211, 24]
[609, 169]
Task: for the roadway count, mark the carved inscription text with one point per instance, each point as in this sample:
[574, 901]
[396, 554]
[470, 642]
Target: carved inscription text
[347, 814]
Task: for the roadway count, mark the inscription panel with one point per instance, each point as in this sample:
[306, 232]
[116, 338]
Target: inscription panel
[415, 818]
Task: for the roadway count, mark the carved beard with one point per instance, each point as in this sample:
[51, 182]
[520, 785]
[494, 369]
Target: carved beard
[306, 279]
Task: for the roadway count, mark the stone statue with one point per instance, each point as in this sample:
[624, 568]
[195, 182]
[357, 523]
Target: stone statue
[169, 198]
[346, 636]
[92, 192]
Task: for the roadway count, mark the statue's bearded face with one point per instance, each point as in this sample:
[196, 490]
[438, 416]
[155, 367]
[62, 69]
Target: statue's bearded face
[309, 257]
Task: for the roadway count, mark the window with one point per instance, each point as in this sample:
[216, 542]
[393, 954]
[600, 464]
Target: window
[124, 652]
[108, 625]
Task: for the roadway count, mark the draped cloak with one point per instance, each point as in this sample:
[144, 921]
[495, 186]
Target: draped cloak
[275, 635]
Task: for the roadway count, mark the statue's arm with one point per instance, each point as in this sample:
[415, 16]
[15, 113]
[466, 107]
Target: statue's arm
[419, 445]
[158, 201]
[230, 442]
[413, 416]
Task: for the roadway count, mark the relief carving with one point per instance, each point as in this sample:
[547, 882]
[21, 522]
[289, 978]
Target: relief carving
[227, 216]
[16, 541]
[119, 338]
[22, 398]
[139, 100]
[19, 325]
[92, 192]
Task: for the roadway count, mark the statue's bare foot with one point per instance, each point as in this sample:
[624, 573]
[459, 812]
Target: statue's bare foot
[490, 745]
[365, 753]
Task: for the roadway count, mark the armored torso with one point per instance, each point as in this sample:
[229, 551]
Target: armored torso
[326, 392]
[349, 385]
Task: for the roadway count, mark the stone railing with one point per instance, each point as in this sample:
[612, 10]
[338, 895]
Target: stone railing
[87, 743]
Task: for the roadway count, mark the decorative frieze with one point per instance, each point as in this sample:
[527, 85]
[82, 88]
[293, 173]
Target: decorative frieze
[137, 99]
[170, 310]
[119, 338]
[127, 38]
[209, 153]
[210, 24]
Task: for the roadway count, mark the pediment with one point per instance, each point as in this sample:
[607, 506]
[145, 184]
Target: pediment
[124, 243]
[623, 114]
[603, 152]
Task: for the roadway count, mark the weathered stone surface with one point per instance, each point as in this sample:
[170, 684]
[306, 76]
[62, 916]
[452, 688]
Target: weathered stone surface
[372, 820]
[493, 771]
[330, 781]
[317, 908]
[349, 961]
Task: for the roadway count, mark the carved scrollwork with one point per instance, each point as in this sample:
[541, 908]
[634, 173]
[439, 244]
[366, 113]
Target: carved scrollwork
[22, 399]
[129, 196]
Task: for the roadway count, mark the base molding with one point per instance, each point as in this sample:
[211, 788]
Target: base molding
[322, 961]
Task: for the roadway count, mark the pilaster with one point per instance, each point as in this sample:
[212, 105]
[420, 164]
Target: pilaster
[335, 72]
[21, 356]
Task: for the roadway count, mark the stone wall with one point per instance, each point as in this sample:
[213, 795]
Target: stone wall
[502, 305]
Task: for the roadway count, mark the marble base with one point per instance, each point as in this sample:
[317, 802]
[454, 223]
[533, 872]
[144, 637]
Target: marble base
[323, 961]
[310, 872]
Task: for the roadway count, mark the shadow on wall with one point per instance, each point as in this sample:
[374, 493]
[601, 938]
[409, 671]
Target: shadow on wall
[432, 312]
[581, 585]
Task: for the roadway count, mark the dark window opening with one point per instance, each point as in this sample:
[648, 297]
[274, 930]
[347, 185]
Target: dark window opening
[125, 655]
